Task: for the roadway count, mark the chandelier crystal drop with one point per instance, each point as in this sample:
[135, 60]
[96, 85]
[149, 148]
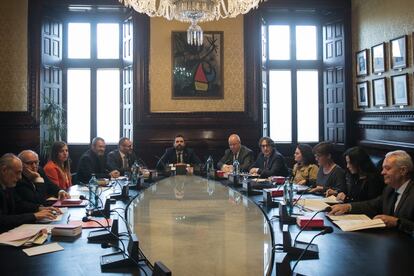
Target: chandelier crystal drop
[193, 11]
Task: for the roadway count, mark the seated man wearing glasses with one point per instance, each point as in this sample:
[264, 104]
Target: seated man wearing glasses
[269, 162]
[35, 186]
[13, 210]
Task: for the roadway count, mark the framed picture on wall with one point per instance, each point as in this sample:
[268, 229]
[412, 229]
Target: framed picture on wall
[379, 89]
[378, 58]
[197, 71]
[398, 48]
[399, 89]
[362, 94]
[362, 63]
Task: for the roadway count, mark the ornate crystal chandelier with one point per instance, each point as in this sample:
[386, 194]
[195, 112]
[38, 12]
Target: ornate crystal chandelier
[193, 11]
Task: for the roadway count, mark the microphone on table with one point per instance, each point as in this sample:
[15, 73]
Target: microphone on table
[327, 230]
[296, 250]
[104, 234]
[159, 161]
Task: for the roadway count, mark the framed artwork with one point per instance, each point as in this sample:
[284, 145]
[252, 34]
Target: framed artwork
[399, 89]
[398, 48]
[362, 94]
[361, 63]
[197, 71]
[378, 58]
[379, 88]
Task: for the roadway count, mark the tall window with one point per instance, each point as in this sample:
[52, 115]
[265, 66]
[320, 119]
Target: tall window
[93, 66]
[292, 68]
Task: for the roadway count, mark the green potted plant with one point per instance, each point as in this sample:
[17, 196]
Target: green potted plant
[52, 125]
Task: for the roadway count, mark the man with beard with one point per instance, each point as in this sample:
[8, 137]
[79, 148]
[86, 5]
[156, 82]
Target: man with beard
[93, 162]
[178, 154]
[122, 158]
[269, 162]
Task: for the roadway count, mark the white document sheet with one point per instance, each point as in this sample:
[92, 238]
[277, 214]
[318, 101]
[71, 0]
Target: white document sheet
[43, 249]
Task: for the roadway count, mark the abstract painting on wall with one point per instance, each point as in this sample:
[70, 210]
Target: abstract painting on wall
[197, 71]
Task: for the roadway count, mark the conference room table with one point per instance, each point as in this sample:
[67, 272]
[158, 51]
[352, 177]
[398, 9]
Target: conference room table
[183, 220]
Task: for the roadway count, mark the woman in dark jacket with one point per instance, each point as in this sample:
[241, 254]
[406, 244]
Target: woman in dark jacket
[362, 180]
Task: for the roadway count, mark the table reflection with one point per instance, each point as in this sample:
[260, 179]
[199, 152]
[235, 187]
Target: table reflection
[198, 226]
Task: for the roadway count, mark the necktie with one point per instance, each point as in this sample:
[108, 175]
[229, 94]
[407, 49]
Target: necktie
[265, 163]
[180, 157]
[125, 162]
[394, 198]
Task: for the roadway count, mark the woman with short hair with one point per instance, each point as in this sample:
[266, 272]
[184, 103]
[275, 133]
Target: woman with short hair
[331, 177]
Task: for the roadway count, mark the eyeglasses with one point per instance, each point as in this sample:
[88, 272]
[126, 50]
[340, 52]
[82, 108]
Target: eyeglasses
[31, 162]
[265, 146]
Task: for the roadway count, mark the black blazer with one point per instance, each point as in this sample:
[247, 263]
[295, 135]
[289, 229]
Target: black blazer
[114, 161]
[36, 193]
[14, 211]
[275, 165]
[245, 158]
[359, 189]
[383, 205]
[90, 163]
[170, 157]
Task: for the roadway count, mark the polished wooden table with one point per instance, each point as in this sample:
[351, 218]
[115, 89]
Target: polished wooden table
[198, 226]
[213, 212]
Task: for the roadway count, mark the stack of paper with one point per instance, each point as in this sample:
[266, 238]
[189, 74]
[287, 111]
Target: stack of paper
[69, 230]
[331, 200]
[27, 237]
[356, 222]
[312, 204]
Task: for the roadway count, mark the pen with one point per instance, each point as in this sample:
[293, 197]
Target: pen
[67, 220]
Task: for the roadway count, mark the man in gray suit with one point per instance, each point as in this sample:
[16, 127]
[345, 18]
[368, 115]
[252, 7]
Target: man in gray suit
[396, 204]
[122, 158]
[236, 151]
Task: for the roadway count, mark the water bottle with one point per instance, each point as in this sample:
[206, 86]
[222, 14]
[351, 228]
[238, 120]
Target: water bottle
[236, 167]
[288, 195]
[210, 167]
[134, 173]
[93, 193]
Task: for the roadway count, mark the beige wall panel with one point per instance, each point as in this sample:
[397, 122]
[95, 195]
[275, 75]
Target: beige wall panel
[160, 68]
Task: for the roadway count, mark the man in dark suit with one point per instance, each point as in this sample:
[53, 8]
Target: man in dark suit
[269, 162]
[93, 162]
[122, 158]
[236, 151]
[14, 211]
[396, 204]
[178, 154]
[35, 186]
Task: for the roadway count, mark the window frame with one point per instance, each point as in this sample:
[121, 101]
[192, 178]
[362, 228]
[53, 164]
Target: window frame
[294, 19]
[92, 17]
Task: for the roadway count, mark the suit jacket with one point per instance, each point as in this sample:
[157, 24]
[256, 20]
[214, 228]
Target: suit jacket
[275, 165]
[245, 158]
[383, 205]
[170, 157]
[114, 161]
[14, 211]
[90, 163]
[61, 179]
[36, 193]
